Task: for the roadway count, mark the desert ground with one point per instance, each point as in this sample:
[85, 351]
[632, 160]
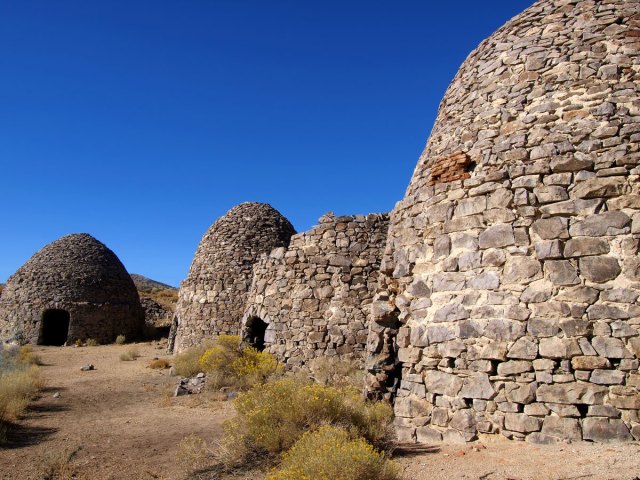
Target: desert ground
[120, 421]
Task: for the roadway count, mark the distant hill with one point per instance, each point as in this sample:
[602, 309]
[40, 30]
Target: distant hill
[144, 284]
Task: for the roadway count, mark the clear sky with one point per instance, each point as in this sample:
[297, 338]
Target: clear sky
[142, 121]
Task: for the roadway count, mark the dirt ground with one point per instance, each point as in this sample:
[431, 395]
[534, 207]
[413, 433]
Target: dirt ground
[122, 423]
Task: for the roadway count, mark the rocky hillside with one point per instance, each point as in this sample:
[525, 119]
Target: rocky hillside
[144, 284]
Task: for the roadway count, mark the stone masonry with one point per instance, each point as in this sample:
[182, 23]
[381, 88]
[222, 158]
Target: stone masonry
[212, 298]
[316, 294]
[77, 278]
[508, 301]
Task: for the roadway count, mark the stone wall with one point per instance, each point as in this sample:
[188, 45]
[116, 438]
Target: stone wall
[315, 295]
[508, 301]
[212, 298]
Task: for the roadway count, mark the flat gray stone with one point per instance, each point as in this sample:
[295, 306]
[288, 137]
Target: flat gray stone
[599, 269]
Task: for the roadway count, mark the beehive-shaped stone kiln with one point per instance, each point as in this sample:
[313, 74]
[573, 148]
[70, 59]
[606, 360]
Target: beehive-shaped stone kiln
[213, 296]
[73, 288]
[508, 299]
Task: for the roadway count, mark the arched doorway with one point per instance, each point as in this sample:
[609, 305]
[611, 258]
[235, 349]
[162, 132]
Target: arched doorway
[254, 331]
[54, 327]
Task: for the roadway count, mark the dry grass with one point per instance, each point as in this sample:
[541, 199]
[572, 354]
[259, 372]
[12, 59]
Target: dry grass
[159, 364]
[130, 355]
[91, 342]
[120, 340]
[59, 465]
[19, 382]
[186, 364]
[337, 372]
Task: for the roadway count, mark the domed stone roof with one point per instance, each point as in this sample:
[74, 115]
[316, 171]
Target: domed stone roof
[78, 275]
[511, 274]
[212, 298]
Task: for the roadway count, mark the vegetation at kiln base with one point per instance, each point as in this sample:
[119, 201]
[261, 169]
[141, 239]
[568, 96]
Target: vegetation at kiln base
[120, 340]
[19, 382]
[90, 342]
[271, 417]
[331, 453]
[336, 371]
[187, 363]
[229, 363]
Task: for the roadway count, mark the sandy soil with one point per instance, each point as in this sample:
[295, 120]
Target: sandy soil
[122, 422]
[119, 418]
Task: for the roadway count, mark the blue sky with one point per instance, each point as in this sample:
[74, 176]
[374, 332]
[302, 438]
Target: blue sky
[141, 122]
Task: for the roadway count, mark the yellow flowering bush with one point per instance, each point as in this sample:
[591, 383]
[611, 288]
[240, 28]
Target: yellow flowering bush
[271, 417]
[229, 363]
[330, 453]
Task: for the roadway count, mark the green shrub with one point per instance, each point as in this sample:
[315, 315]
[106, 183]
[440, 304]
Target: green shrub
[330, 453]
[229, 363]
[186, 364]
[19, 381]
[120, 340]
[91, 342]
[271, 417]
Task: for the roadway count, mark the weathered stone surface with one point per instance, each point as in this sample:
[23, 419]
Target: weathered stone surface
[554, 347]
[605, 430]
[589, 362]
[521, 270]
[584, 246]
[519, 422]
[610, 347]
[607, 377]
[442, 383]
[524, 349]
[477, 386]
[512, 367]
[600, 187]
[599, 269]
[551, 228]
[497, 236]
[571, 393]
[609, 223]
[559, 427]
[561, 272]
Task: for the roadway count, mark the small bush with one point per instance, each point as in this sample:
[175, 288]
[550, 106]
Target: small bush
[229, 363]
[271, 417]
[337, 372]
[59, 465]
[120, 340]
[27, 357]
[91, 342]
[194, 453]
[186, 364]
[330, 453]
[159, 364]
[129, 355]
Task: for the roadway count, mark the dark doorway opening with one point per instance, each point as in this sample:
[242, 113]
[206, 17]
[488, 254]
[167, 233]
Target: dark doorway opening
[54, 328]
[254, 331]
